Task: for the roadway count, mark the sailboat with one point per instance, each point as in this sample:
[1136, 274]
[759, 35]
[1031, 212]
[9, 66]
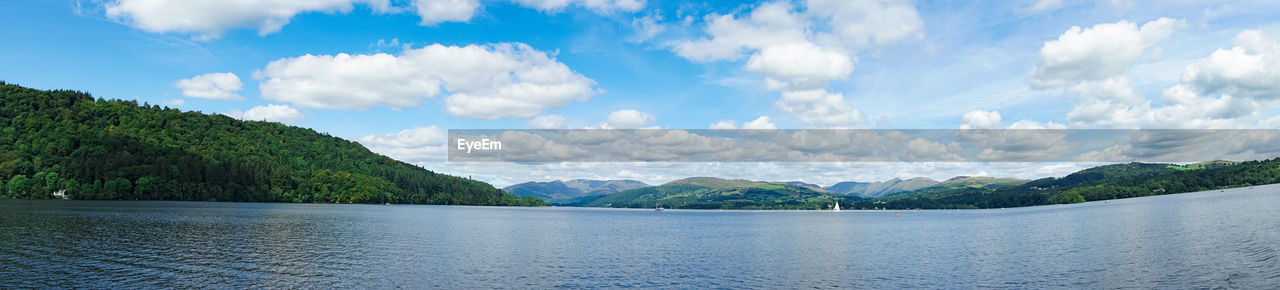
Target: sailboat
[836, 207]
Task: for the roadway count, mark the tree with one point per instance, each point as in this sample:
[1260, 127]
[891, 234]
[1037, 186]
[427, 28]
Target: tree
[18, 186]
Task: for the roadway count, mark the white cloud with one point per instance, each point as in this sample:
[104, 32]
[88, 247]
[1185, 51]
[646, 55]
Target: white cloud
[1251, 69]
[418, 145]
[436, 11]
[1183, 108]
[820, 108]
[769, 24]
[799, 51]
[723, 125]
[510, 80]
[269, 113]
[1107, 103]
[1270, 123]
[627, 119]
[547, 122]
[647, 27]
[759, 123]
[1228, 89]
[981, 120]
[800, 65]
[1102, 51]
[208, 19]
[859, 23]
[216, 86]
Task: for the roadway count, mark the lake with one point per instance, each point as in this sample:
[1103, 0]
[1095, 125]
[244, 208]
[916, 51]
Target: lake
[1197, 240]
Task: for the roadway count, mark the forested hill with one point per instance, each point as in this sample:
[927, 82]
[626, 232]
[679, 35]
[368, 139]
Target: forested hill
[53, 141]
[1098, 183]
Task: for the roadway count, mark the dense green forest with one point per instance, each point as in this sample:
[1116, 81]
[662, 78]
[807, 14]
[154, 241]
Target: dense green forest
[1098, 183]
[67, 142]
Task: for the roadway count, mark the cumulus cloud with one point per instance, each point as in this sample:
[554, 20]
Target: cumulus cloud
[859, 23]
[508, 80]
[801, 65]
[417, 145]
[981, 120]
[1183, 108]
[547, 122]
[215, 86]
[437, 11]
[1251, 69]
[820, 108]
[209, 19]
[269, 113]
[1228, 89]
[627, 119]
[1107, 103]
[730, 37]
[800, 50]
[759, 123]
[1102, 51]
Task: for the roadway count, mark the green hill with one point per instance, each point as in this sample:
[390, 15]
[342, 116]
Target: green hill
[717, 193]
[86, 148]
[881, 188]
[1098, 183]
[567, 191]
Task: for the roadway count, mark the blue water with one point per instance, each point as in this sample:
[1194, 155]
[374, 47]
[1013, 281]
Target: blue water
[1197, 240]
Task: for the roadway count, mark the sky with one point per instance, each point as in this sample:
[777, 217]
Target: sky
[396, 75]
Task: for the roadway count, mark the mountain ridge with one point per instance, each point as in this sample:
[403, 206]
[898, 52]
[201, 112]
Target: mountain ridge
[559, 191]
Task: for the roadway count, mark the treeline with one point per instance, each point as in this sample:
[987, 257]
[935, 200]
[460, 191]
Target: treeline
[1099, 183]
[69, 143]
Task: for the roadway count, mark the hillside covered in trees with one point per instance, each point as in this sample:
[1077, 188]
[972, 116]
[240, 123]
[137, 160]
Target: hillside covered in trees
[1098, 183]
[69, 143]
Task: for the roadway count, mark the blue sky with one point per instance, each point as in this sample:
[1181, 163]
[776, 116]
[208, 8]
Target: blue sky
[668, 64]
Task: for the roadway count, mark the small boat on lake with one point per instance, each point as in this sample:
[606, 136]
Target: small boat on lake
[836, 207]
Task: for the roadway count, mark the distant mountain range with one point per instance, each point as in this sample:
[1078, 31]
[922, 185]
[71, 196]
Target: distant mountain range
[882, 188]
[1098, 183]
[565, 191]
[718, 193]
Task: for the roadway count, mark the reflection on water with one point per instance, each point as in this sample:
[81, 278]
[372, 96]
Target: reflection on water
[1198, 240]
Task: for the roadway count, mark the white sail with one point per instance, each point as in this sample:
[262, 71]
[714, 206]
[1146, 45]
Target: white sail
[837, 207]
